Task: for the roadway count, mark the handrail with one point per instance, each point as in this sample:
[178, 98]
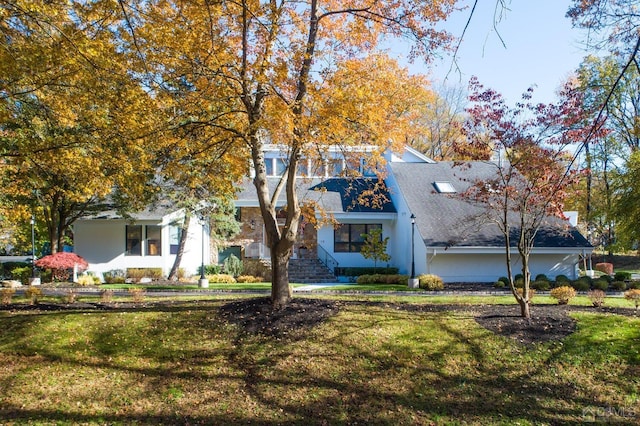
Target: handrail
[327, 259]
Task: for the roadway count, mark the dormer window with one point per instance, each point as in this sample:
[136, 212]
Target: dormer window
[444, 187]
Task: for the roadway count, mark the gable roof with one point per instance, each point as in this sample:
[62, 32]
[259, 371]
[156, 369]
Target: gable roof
[446, 220]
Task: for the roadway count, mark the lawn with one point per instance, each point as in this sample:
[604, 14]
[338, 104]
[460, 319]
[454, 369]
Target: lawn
[368, 362]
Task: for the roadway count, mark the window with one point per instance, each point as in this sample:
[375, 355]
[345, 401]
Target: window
[275, 166]
[444, 187]
[348, 237]
[175, 231]
[154, 241]
[134, 240]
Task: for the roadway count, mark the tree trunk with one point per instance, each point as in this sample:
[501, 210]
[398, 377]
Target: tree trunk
[173, 275]
[525, 312]
[280, 289]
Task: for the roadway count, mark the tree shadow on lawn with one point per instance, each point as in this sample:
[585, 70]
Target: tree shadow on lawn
[424, 391]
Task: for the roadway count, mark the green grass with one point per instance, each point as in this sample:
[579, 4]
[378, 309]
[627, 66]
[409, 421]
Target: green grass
[369, 364]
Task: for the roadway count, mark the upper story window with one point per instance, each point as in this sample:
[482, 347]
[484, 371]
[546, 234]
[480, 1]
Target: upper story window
[275, 166]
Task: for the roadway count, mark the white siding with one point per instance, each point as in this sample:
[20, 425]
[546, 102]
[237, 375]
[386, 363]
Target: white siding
[466, 267]
[102, 244]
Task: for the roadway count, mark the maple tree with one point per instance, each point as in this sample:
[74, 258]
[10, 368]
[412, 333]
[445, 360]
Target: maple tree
[71, 118]
[62, 264]
[305, 76]
[527, 192]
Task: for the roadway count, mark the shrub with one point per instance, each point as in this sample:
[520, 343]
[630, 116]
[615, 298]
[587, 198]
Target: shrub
[210, 269]
[69, 297]
[365, 270]
[248, 279]
[562, 280]
[88, 280]
[62, 264]
[499, 284]
[634, 296]
[604, 267]
[601, 284]
[382, 279]
[6, 294]
[33, 294]
[541, 285]
[619, 285]
[634, 284]
[504, 280]
[115, 276]
[22, 273]
[622, 276]
[6, 269]
[136, 274]
[582, 283]
[532, 292]
[518, 277]
[232, 265]
[542, 277]
[563, 294]
[596, 297]
[430, 282]
[106, 296]
[221, 279]
[137, 294]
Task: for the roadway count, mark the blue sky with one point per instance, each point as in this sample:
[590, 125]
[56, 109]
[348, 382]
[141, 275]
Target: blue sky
[541, 49]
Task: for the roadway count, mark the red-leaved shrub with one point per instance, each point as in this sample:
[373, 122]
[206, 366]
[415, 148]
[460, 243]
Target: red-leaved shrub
[607, 268]
[62, 264]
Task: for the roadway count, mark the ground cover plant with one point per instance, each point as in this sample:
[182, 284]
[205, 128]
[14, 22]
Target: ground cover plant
[319, 361]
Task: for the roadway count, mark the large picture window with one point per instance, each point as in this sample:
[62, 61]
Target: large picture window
[134, 240]
[348, 237]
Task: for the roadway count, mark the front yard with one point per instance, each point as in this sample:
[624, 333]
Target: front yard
[328, 361]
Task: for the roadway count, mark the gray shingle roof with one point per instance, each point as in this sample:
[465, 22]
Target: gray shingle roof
[445, 220]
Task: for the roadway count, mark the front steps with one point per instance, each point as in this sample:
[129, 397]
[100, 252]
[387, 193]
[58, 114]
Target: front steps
[309, 271]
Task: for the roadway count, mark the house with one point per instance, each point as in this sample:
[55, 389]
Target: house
[439, 239]
[148, 239]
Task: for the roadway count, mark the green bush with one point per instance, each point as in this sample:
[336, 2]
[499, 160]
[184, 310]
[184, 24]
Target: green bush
[232, 266]
[504, 280]
[600, 284]
[210, 269]
[622, 276]
[542, 277]
[541, 285]
[115, 276]
[430, 282]
[634, 285]
[499, 284]
[563, 294]
[365, 270]
[22, 273]
[582, 283]
[618, 285]
[562, 280]
[6, 269]
[382, 279]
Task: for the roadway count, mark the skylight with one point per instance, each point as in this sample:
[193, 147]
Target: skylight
[444, 187]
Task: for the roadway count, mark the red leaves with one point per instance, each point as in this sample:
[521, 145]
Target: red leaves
[62, 261]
